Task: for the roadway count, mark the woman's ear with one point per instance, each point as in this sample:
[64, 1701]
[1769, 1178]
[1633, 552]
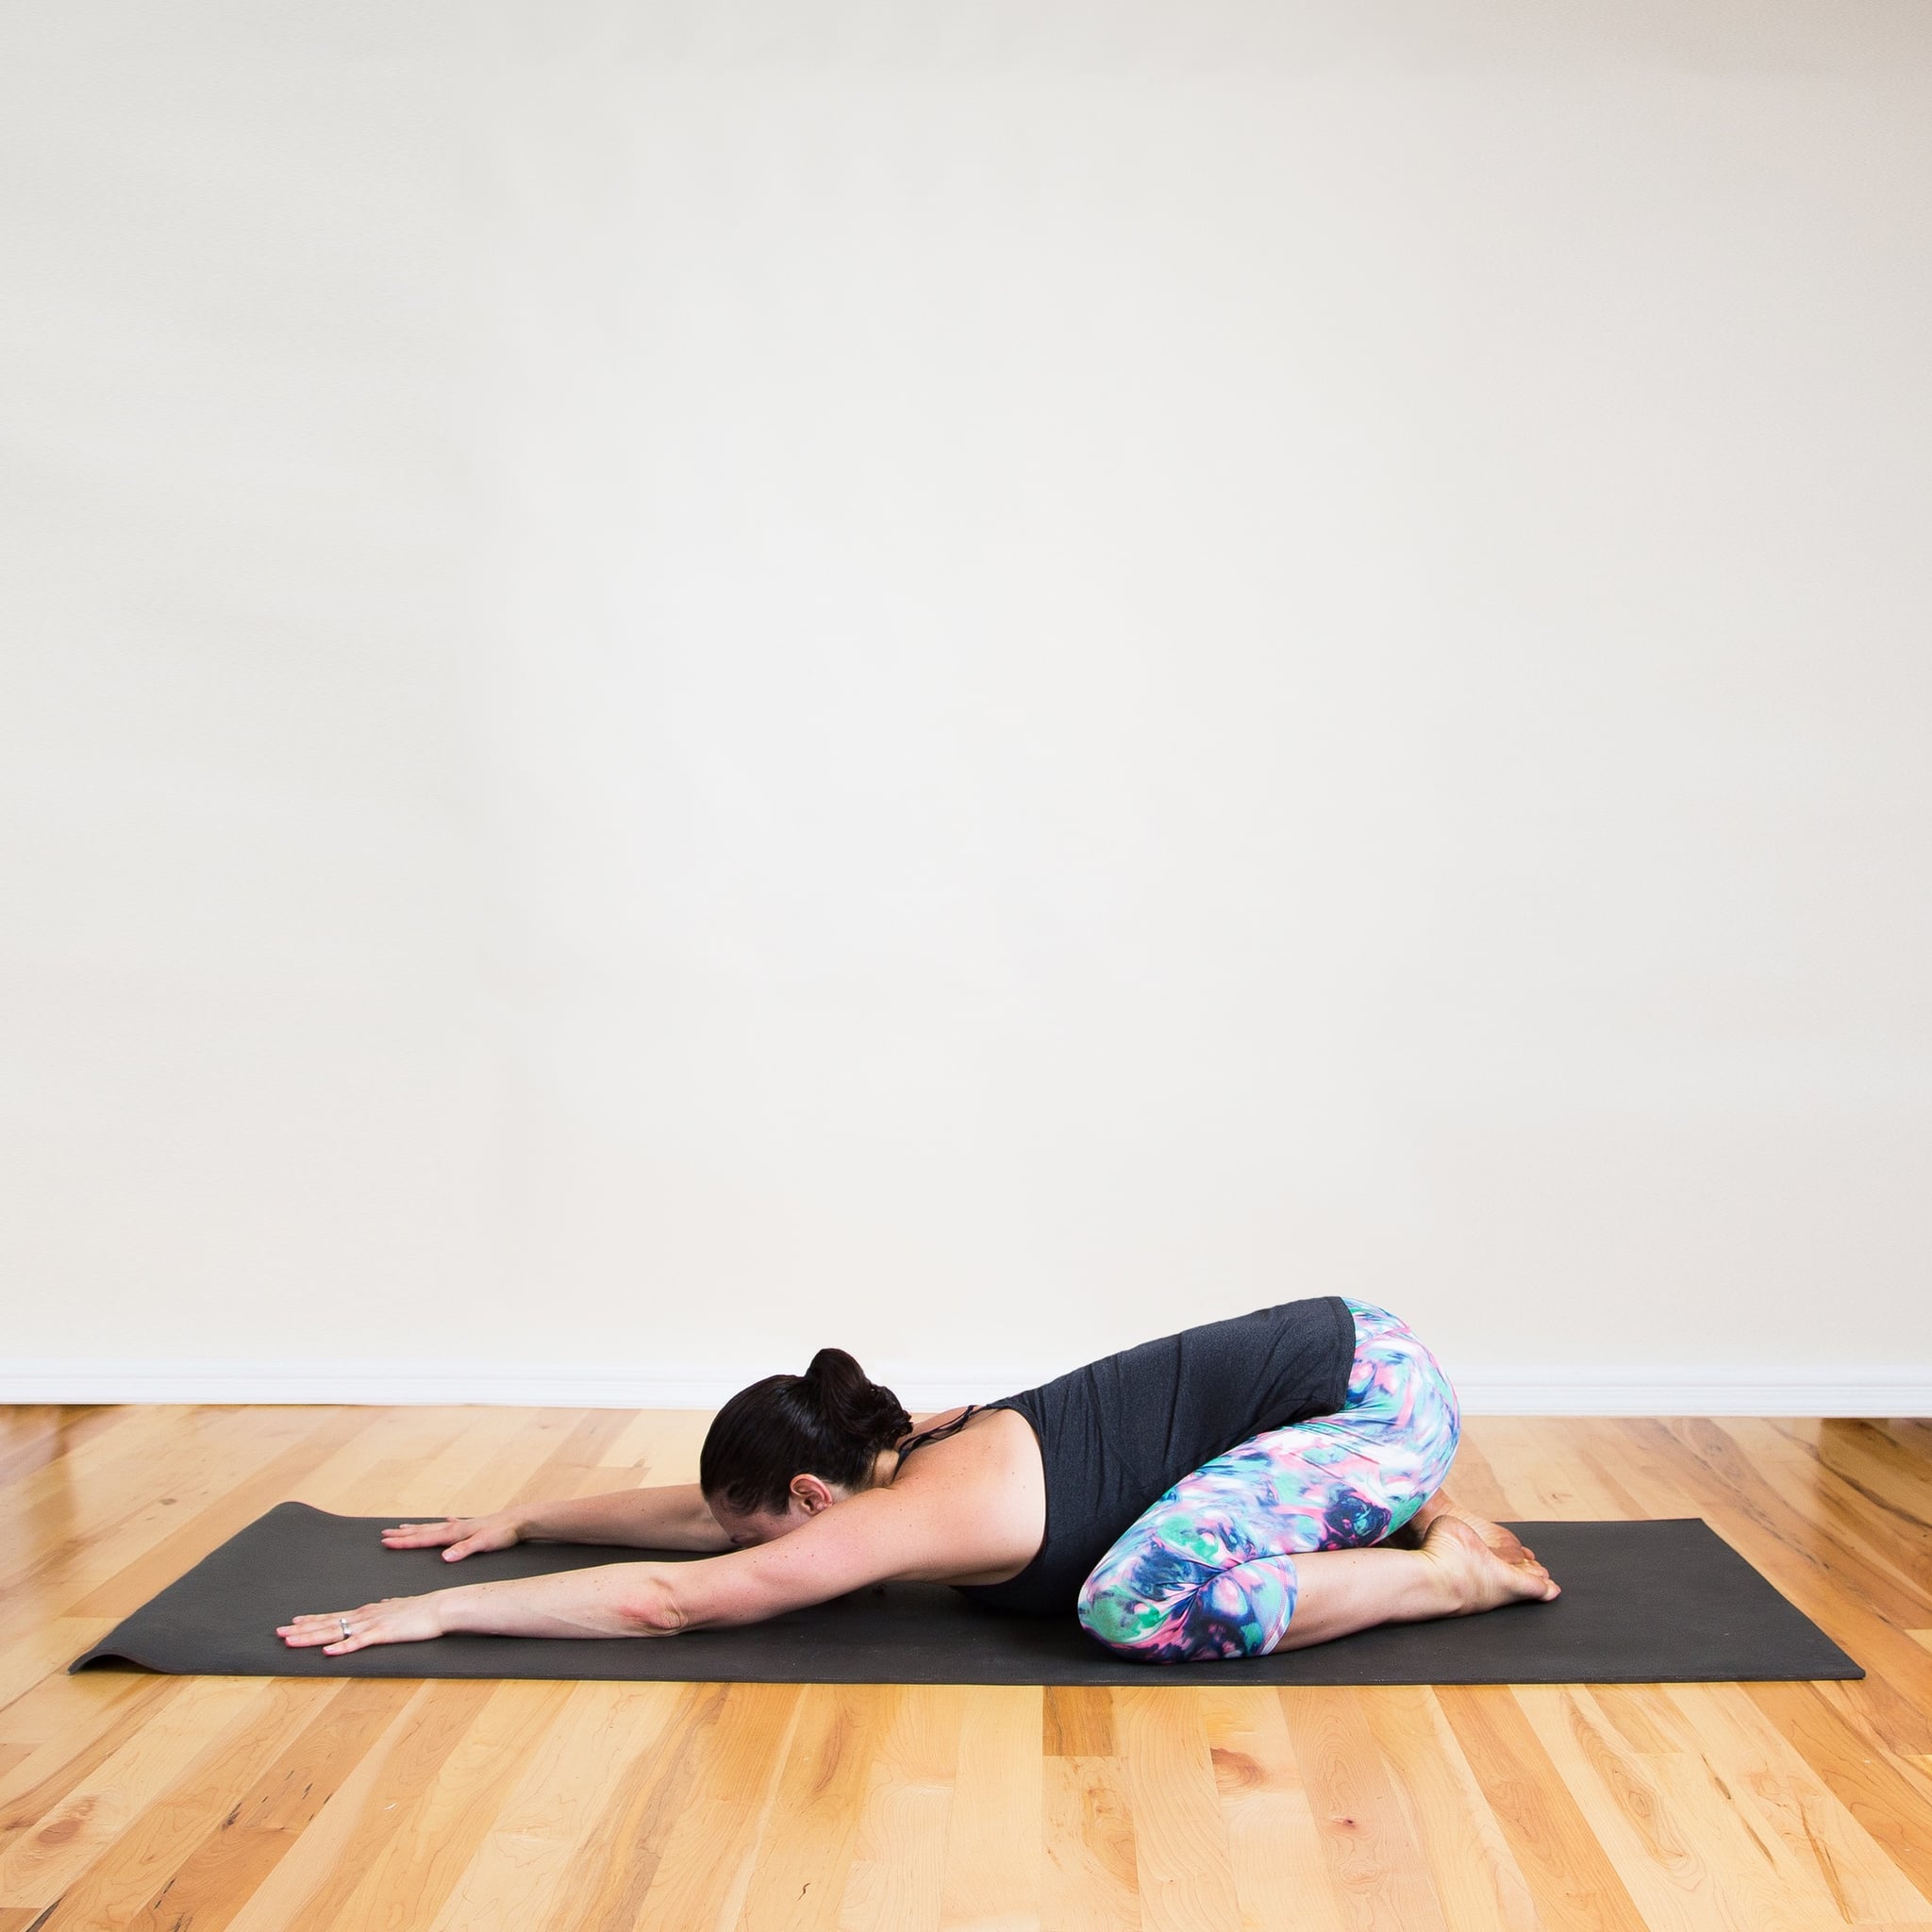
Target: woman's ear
[811, 1493]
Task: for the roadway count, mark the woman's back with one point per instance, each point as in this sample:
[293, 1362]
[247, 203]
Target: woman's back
[1115, 1434]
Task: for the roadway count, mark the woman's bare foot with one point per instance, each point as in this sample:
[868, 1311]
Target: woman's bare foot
[1482, 1571]
[1504, 1541]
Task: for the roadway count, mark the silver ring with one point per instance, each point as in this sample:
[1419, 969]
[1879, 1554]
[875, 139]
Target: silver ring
[344, 1623]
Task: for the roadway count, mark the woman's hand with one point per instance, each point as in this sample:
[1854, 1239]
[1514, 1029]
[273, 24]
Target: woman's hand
[463, 1535]
[394, 1620]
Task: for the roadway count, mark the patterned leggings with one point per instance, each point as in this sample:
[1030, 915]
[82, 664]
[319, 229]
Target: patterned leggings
[1208, 1569]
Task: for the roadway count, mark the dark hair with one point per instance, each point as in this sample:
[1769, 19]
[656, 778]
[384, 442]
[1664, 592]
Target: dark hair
[831, 1423]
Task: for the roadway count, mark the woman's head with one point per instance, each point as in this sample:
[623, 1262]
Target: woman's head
[780, 1451]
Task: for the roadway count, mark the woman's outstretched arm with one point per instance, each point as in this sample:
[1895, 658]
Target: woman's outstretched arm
[612, 1600]
[864, 1539]
[670, 1516]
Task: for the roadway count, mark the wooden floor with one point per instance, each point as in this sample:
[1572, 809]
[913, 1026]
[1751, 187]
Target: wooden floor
[259, 1804]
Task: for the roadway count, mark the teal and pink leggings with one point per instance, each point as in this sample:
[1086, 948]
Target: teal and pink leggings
[1208, 1569]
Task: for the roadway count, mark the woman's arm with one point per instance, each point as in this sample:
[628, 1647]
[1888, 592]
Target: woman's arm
[612, 1600]
[864, 1539]
[669, 1517]
[672, 1516]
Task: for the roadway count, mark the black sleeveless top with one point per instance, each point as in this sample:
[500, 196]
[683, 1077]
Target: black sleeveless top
[1117, 1434]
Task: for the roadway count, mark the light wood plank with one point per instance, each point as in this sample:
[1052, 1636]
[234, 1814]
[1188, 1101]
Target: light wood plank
[806, 1850]
[36, 1655]
[993, 1874]
[482, 1471]
[96, 1724]
[1548, 1479]
[621, 1855]
[1889, 1800]
[414, 1864]
[1688, 1864]
[1376, 1865]
[1076, 1720]
[334, 1728]
[134, 1877]
[711, 1848]
[1479, 1885]
[1886, 1535]
[108, 1465]
[1181, 1852]
[439, 1726]
[44, 1856]
[36, 1439]
[1089, 1876]
[897, 1876]
[661, 1445]
[1282, 1878]
[1576, 1882]
[1769, 1783]
[522, 1864]
[358, 1479]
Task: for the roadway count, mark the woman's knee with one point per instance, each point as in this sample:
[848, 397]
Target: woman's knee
[1111, 1612]
[1238, 1611]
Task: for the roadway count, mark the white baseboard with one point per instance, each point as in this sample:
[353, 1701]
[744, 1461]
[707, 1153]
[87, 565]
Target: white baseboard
[1890, 1390]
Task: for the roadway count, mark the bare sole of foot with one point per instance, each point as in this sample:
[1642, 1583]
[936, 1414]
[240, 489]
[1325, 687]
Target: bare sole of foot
[1506, 1542]
[1481, 1575]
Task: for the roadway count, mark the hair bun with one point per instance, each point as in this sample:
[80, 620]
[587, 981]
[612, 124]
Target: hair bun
[853, 1403]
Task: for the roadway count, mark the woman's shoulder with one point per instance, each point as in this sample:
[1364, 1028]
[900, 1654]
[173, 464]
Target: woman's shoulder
[921, 1423]
[972, 1431]
[945, 1424]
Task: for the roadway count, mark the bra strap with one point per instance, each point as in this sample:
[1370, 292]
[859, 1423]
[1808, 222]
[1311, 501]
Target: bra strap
[939, 1434]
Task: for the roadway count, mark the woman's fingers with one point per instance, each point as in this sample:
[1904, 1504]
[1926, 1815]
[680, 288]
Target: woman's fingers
[474, 1545]
[394, 1620]
[324, 1629]
[420, 1536]
[464, 1536]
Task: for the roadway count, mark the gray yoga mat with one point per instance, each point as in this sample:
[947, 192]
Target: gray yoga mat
[1666, 1602]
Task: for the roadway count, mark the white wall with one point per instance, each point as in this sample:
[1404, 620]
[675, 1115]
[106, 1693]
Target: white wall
[967, 681]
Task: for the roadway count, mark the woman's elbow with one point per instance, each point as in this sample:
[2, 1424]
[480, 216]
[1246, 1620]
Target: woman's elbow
[649, 1607]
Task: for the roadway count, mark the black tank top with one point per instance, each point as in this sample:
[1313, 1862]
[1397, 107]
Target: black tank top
[1118, 1433]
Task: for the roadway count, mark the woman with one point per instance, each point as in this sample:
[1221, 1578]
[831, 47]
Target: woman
[1256, 1484]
